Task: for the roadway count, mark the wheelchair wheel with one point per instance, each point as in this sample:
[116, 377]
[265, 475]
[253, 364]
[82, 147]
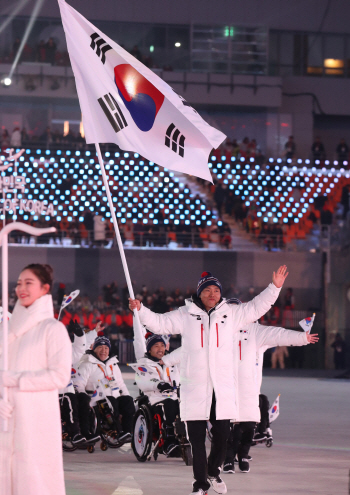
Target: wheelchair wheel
[103, 446]
[142, 437]
[91, 449]
[269, 442]
[187, 455]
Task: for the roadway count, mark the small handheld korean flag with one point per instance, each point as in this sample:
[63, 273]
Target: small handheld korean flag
[2, 314]
[274, 411]
[68, 299]
[306, 323]
[138, 367]
[124, 102]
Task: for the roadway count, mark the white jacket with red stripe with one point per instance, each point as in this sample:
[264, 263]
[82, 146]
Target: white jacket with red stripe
[149, 374]
[253, 341]
[209, 351]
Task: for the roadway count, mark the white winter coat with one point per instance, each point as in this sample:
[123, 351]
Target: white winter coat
[209, 351]
[99, 379]
[78, 350]
[31, 451]
[149, 374]
[254, 339]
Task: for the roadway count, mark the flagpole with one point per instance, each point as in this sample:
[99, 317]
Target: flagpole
[4, 277]
[119, 239]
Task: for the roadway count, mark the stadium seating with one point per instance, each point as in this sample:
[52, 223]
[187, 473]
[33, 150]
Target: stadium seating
[140, 189]
[144, 192]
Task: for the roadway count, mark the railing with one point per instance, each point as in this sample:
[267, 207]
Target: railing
[126, 353]
[211, 240]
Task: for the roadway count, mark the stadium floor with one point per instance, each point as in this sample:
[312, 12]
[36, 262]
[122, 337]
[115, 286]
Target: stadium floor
[311, 451]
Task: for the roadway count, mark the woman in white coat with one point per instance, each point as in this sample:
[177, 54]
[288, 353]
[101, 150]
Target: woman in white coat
[40, 356]
[209, 326]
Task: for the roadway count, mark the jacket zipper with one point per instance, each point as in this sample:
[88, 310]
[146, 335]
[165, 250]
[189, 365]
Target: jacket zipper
[240, 350]
[217, 335]
[202, 329]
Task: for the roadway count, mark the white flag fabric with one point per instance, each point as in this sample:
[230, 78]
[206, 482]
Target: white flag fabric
[124, 102]
[68, 299]
[274, 411]
[306, 323]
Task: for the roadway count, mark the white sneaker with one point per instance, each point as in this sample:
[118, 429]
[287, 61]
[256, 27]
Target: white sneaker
[218, 485]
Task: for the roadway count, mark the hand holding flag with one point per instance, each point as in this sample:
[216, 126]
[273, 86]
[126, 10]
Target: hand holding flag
[306, 323]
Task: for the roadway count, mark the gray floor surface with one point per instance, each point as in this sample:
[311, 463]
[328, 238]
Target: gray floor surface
[310, 455]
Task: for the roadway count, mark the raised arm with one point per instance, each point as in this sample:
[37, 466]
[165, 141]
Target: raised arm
[173, 358]
[277, 336]
[78, 348]
[255, 309]
[161, 324]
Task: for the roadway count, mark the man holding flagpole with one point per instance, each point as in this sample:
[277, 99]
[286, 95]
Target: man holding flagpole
[124, 102]
[209, 327]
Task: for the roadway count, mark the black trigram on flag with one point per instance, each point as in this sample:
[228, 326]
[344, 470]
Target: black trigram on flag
[113, 112]
[175, 140]
[100, 45]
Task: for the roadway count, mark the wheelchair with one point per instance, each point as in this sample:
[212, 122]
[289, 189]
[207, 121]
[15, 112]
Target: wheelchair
[149, 434]
[101, 413]
[268, 441]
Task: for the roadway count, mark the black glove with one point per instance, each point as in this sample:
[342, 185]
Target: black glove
[164, 387]
[74, 327]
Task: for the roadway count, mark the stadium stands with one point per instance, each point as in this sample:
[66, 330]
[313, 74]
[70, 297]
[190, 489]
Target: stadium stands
[146, 194]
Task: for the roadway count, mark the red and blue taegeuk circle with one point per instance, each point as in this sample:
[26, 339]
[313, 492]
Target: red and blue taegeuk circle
[141, 98]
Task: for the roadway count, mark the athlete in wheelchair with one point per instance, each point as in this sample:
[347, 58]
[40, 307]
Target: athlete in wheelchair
[71, 434]
[106, 408]
[157, 425]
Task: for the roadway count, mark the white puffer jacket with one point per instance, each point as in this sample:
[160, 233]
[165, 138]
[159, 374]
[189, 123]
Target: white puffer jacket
[78, 350]
[149, 374]
[99, 379]
[209, 351]
[254, 339]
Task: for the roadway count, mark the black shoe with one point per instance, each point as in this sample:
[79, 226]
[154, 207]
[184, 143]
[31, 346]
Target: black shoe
[92, 437]
[244, 465]
[229, 467]
[259, 437]
[78, 438]
[199, 491]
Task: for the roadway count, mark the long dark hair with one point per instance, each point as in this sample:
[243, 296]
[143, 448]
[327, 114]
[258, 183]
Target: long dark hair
[43, 272]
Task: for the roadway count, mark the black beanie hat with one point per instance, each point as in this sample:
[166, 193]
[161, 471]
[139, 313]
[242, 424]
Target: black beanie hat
[152, 339]
[206, 280]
